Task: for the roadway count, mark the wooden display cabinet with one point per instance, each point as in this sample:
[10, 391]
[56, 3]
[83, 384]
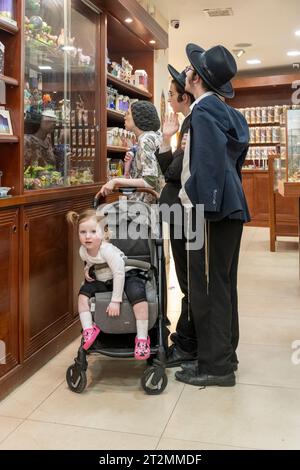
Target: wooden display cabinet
[41, 270]
[251, 92]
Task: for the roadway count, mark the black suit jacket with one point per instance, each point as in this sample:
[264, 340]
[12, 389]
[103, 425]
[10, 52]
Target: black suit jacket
[171, 166]
[218, 147]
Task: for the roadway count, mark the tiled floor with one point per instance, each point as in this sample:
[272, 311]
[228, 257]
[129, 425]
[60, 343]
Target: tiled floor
[262, 411]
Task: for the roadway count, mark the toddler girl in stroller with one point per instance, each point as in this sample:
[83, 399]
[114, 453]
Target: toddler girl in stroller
[112, 276]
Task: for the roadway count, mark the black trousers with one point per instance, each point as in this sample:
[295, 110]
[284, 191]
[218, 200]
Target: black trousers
[215, 307]
[185, 336]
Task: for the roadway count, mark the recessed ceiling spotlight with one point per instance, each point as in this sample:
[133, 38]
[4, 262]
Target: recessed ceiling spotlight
[152, 41]
[241, 45]
[297, 33]
[253, 61]
[293, 53]
[128, 20]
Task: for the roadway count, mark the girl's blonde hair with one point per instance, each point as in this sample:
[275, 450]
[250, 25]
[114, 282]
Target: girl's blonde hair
[76, 219]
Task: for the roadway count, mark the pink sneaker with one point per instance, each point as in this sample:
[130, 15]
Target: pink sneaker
[142, 349]
[89, 336]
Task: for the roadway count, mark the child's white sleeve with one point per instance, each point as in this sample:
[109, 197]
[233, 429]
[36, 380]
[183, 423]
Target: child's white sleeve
[83, 256]
[115, 261]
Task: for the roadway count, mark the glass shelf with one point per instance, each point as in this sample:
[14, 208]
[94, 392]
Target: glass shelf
[127, 87]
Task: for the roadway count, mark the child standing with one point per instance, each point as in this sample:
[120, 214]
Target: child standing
[96, 249]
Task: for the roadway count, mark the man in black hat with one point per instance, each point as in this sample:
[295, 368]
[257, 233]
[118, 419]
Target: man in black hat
[211, 176]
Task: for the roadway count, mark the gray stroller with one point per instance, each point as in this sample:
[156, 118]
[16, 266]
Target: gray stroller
[137, 231]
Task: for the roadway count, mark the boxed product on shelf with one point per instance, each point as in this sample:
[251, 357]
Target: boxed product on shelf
[141, 79]
[2, 51]
[263, 114]
[115, 168]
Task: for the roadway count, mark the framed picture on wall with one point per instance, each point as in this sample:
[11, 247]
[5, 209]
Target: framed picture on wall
[5, 123]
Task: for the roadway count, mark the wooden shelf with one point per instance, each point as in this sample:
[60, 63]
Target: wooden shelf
[253, 170]
[9, 28]
[126, 87]
[264, 144]
[264, 124]
[115, 148]
[111, 113]
[9, 80]
[9, 138]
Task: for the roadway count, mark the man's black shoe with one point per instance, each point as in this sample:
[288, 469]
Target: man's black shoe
[193, 366]
[205, 380]
[177, 356]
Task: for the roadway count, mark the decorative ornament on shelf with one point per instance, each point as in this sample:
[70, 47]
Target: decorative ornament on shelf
[83, 59]
[127, 70]
[34, 6]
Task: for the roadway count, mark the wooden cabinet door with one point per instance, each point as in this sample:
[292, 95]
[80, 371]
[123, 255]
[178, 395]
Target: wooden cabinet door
[9, 290]
[261, 201]
[52, 271]
[248, 187]
[46, 306]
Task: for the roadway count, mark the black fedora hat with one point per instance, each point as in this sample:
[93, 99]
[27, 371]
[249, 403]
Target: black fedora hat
[216, 66]
[178, 77]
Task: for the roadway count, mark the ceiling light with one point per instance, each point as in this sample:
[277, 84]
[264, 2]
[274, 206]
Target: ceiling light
[240, 45]
[45, 67]
[253, 61]
[297, 33]
[293, 53]
[238, 52]
[213, 12]
[152, 41]
[128, 20]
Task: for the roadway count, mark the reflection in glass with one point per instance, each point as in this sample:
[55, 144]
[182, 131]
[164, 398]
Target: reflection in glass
[60, 93]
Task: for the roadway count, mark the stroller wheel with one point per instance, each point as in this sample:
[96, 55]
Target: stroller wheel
[76, 379]
[154, 380]
[150, 360]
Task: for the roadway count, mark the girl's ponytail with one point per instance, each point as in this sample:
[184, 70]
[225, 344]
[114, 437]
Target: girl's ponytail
[72, 217]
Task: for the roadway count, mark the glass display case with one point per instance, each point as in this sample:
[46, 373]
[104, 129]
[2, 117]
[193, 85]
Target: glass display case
[61, 93]
[290, 146]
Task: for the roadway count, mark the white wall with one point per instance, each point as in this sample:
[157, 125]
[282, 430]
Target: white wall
[161, 77]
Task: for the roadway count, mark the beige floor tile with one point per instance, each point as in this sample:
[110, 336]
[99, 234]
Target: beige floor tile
[262, 285]
[242, 416]
[66, 355]
[271, 271]
[276, 261]
[268, 365]
[177, 444]
[7, 425]
[113, 401]
[269, 330]
[48, 436]
[29, 395]
[268, 306]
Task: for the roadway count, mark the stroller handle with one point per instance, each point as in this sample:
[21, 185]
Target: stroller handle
[126, 191]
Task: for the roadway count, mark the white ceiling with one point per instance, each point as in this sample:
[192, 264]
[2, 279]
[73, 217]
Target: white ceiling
[269, 25]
